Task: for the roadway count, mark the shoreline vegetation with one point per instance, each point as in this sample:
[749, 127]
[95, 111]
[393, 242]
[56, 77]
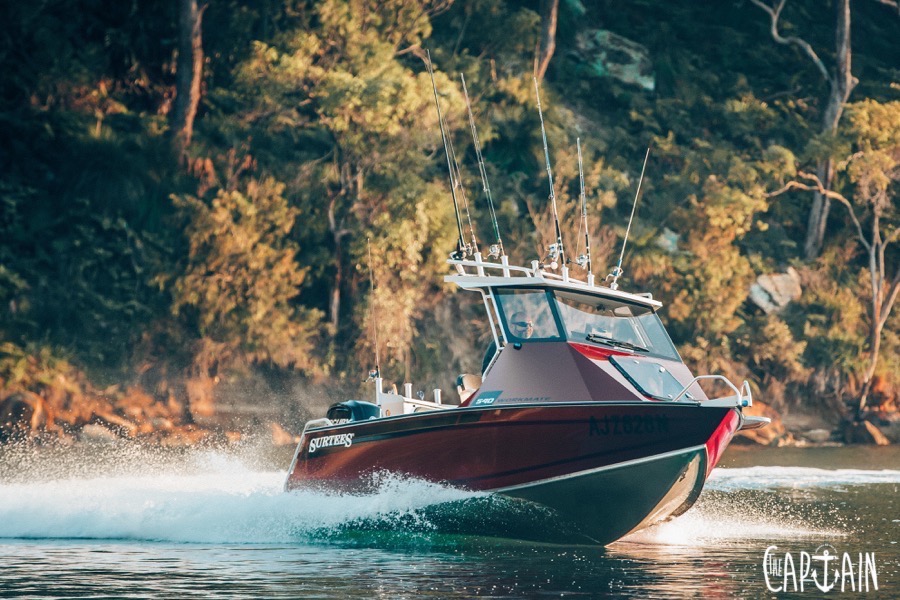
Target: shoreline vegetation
[188, 194]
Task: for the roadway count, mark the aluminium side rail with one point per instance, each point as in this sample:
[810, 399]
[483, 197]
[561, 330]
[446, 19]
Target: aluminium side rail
[742, 397]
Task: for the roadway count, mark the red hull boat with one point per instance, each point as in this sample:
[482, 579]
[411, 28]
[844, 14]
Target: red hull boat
[583, 406]
[586, 409]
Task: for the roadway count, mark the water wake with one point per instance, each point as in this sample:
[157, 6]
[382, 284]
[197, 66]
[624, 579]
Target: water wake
[760, 478]
[221, 497]
[227, 503]
[740, 504]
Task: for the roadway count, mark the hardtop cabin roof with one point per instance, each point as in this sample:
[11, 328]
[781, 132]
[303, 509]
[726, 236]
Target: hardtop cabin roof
[480, 275]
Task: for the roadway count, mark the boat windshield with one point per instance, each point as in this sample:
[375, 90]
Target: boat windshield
[527, 315]
[609, 322]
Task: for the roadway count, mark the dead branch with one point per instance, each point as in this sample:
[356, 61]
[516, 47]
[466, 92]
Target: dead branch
[774, 13]
[819, 187]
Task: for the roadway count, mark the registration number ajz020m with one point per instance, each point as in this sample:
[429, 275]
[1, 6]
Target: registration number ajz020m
[628, 425]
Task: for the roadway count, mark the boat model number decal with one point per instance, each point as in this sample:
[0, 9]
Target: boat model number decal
[326, 441]
[628, 425]
[486, 398]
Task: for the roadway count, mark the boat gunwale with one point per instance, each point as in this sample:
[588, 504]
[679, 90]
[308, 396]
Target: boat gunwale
[563, 404]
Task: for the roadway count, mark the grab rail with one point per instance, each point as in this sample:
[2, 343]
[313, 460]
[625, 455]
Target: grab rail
[742, 397]
[315, 423]
[482, 269]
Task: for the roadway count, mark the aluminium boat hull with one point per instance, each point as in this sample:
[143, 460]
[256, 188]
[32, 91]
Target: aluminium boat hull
[608, 468]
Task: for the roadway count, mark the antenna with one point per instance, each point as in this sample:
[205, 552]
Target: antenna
[584, 259]
[617, 272]
[496, 250]
[555, 250]
[461, 248]
[377, 372]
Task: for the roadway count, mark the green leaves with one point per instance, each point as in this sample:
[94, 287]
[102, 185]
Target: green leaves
[242, 277]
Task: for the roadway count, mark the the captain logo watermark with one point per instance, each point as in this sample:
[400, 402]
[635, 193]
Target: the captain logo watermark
[326, 441]
[824, 570]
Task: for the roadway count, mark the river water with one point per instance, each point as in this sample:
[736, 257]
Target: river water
[126, 521]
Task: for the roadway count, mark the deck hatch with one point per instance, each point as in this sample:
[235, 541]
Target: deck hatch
[650, 378]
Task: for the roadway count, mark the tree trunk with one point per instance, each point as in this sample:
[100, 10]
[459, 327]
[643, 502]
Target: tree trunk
[188, 74]
[875, 349]
[337, 236]
[841, 83]
[549, 14]
[335, 306]
[818, 214]
[351, 186]
[884, 295]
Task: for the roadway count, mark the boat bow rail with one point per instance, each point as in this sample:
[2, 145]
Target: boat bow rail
[742, 397]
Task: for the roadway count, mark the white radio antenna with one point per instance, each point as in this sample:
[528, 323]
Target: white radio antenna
[617, 272]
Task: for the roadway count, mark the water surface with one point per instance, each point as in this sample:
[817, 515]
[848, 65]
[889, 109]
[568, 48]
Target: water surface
[126, 521]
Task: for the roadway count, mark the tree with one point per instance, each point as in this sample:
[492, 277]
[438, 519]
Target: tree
[872, 168]
[188, 72]
[242, 279]
[346, 93]
[840, 82]
[547, 43]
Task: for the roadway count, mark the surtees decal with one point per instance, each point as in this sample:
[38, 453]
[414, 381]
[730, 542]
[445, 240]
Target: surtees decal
[486, 398]
[343, 439]
[628, 425]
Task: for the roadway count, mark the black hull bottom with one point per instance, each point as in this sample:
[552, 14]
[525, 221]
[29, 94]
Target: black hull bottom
[603, 505]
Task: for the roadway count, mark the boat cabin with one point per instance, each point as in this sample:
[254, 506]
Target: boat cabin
[560, 339]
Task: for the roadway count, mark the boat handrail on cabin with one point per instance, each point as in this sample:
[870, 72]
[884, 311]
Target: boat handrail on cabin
[480, 274]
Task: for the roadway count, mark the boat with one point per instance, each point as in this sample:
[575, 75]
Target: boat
[583, 407]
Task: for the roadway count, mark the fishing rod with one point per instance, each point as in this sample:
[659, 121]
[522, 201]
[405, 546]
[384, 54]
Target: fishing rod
[461, 248]
[377, 372]
[584, 259]
[496, 250]
[465, 198]
[557, 249]
[617, 272]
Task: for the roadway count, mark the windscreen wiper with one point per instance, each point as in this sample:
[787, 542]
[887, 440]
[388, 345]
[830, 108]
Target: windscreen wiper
[609, 341]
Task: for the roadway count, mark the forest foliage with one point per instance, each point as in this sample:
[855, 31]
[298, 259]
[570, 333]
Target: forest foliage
[316, 142]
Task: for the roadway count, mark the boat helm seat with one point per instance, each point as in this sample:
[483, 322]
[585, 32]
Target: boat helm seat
[466, 385]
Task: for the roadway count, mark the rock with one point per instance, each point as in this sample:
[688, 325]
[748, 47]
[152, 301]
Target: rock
[891, 429]
[882, 402]
[97, 434]
[280, 437]
[609, 55]
[162, 424]
[201, 396]
[20, 414]
[183, 437]
[864, 432]
[668, 240]
[15, 417]
[817, 436]
[772, 292]
[112, 421]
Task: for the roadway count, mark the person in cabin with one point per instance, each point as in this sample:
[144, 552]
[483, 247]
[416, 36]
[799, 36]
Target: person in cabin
[521, 325]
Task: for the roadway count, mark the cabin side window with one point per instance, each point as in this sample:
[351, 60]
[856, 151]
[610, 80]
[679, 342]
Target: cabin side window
[527, 315]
